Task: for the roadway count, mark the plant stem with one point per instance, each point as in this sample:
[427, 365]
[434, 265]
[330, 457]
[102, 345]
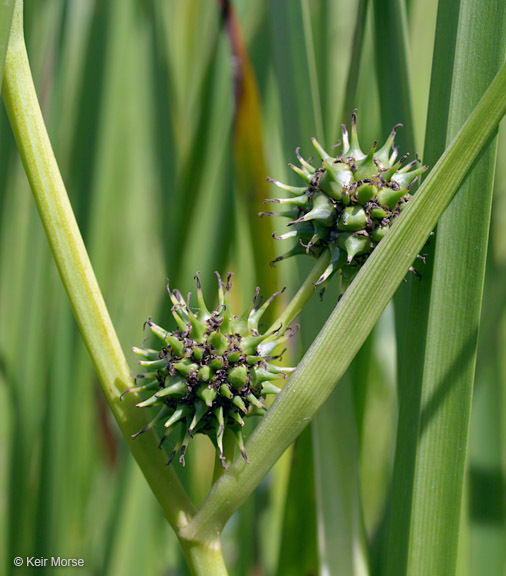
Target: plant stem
[353, 318]
[6, 12]
[77, 274]
[205, 559]
[303, 294]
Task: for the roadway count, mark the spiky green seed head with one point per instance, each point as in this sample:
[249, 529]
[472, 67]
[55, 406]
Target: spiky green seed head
[347, 204]
[210, 373]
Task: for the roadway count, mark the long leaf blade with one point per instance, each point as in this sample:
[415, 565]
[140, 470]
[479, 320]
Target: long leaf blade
[410, 392]
[455, 309]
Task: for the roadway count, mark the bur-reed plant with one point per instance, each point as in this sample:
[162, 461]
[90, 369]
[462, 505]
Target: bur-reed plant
[235, 354]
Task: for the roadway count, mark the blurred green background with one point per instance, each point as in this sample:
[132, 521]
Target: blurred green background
[165, 122]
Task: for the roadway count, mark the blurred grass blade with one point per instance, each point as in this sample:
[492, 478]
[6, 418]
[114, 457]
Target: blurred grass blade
[393, 72]
[354, 317]
[342, 541]
[190, 184]
[6, 12]
[298, 551]
[292, 69]
[162, 92]
[350, 100]
[185, 92]
[249, 164]
[139, 533]
[214, 207]
[485, 490]
[338, 490]
[295, 70]
[486, 466]
[312, 68]
[410, 391]
[453, 322]
[24, 292]
[335, 25]
[82, 156]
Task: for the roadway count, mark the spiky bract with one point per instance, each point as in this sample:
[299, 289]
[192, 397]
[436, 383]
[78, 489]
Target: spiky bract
[215, 369]
[348, 203]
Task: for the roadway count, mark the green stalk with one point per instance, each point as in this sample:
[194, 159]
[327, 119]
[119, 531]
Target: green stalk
[353, 318]
[77, 274]
[205, 559]
[6, 12]
[454, 314]
[303, 294]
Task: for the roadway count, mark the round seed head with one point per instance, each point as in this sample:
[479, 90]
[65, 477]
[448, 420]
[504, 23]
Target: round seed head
[349, 201]
[210, 372]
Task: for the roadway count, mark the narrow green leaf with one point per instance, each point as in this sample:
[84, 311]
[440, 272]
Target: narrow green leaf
[53, 474]
[393, 73]
[486, 466]
[350, 100]
[312, 69]
[292, 72]
[15, 229]
[342, 539]
[410, 392]
[296, 72]
[454, 314]
[82, 154]
[342, 547]
[393, 70]
[7, 444]
[298, 552]
[190, 186]
[249, 165]
[485, 479]
[137, 535]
